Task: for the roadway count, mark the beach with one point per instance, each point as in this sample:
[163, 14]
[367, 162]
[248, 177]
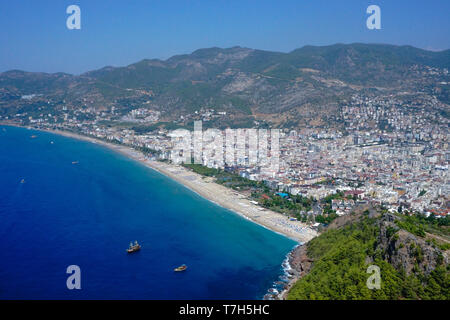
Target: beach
[205, 187]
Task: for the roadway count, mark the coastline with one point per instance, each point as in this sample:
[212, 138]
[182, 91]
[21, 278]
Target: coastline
[298, 265]
[205, 187]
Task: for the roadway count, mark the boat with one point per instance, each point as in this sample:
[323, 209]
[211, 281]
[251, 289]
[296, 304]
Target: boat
[134, 247]
[33, 137]
[180, 268]
[74, 162]
[22, 181]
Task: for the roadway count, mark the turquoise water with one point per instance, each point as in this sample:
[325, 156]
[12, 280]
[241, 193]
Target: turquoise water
[86, 214]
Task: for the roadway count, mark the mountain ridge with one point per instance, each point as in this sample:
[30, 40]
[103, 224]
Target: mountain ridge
[195, 52]
[305, 47]
[303, 84]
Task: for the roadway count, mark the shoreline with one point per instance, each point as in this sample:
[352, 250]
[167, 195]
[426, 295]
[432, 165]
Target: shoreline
[206, 188]
[296, 265]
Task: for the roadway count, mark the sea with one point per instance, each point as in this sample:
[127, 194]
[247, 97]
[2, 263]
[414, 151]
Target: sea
[67, 202]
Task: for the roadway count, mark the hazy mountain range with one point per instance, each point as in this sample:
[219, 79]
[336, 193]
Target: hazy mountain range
[306, 84]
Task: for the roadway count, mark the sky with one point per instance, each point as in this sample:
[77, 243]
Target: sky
[34, 35]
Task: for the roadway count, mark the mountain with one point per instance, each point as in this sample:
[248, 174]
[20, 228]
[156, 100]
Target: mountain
[307, 84]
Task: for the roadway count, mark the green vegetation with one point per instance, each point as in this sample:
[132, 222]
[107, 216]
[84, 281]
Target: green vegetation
[410, 225]
[340, 264]
[326, 218]
[148, 151]
[144, 128]
[444, 246]
[418, 224]
[291, 205]
[202, 170]
[228, 179]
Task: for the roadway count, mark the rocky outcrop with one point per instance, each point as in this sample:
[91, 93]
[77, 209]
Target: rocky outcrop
[299, 261]
[406, 251]
[400, 248]
[300, 264]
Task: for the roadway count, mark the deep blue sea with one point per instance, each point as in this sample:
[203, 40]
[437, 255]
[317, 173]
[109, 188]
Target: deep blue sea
[86, 214]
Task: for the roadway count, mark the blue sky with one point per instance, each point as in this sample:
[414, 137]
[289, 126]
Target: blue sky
[34, 36]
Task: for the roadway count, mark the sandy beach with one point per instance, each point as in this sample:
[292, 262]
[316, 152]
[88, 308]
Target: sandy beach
[214, 192]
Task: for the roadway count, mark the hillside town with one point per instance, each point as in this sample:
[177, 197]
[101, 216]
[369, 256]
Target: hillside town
[390, 153]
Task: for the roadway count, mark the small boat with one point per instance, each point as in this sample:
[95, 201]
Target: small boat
[180, 268]
[22, 181]
[74, 162]
[33, 137]
[51, 142]
[134, 247]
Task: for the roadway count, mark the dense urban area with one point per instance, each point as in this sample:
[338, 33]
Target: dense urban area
[384, 156]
